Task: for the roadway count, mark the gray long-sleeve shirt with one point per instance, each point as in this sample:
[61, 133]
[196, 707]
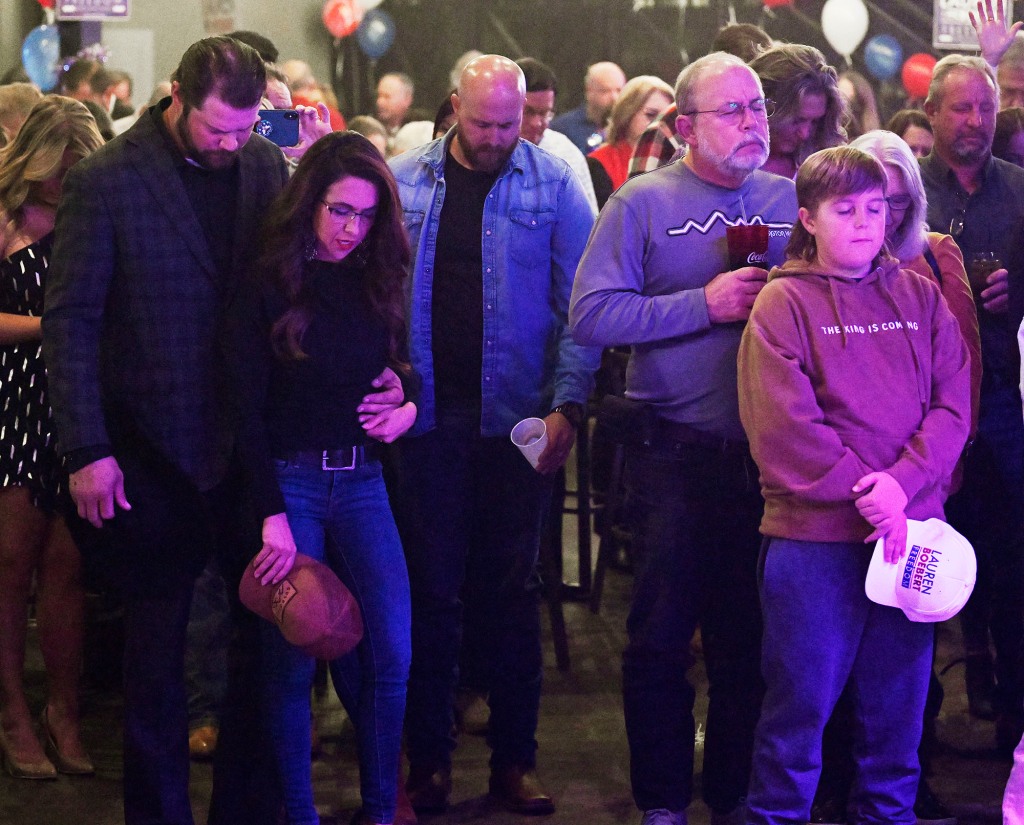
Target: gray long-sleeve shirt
[658, 241]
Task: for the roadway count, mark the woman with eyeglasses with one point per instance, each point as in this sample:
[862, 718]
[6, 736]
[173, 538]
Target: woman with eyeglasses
[931, 254]
[323, 380]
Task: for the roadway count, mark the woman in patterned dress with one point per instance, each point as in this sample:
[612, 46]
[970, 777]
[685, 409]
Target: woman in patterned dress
[34, 541]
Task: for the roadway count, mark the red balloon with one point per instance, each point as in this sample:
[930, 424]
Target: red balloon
[774, 4]
[342, 17]
[917, 74]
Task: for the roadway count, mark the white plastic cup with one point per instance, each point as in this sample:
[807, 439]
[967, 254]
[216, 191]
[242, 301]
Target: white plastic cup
[531, 437]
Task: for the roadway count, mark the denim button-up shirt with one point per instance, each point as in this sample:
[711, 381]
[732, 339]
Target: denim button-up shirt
[536, 223]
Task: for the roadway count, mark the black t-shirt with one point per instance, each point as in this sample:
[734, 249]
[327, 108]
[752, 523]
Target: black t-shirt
[213, 194]
[458, 295]
[290, 405]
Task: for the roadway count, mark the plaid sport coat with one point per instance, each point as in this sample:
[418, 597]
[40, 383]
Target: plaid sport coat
[134, 305]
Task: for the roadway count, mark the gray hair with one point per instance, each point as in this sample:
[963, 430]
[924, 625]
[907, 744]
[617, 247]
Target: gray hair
[691, 75]
[909, 238]
[953, 62]
[1015, 53]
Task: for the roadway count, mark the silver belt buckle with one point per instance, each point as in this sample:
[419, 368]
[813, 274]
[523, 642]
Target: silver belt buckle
[326, 464]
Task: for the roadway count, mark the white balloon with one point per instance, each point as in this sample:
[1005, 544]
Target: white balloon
[369, 4]
[845, 22]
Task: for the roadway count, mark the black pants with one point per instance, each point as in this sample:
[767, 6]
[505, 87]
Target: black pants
[151, 556]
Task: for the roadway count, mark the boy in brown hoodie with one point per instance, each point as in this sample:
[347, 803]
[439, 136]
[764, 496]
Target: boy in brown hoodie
[854, 389]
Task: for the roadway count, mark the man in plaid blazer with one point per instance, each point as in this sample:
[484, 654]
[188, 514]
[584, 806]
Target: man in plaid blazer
[153, 233]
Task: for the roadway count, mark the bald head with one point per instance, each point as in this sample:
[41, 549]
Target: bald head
[491, 74]
[489, 107]
[601, 87]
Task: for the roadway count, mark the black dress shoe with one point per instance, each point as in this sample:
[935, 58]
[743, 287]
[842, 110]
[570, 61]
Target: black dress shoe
[428, 788]
[929, 810]
[519, 790]
[828, 809]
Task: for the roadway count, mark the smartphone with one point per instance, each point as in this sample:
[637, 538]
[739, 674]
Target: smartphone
[280, 126]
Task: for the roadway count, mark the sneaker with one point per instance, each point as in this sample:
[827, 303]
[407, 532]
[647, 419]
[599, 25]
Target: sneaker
[663, 816]
[928, 809]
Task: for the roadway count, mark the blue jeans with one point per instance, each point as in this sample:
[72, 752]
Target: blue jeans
[344, 519]
[694, 514]
[473, 503]
[821, 633]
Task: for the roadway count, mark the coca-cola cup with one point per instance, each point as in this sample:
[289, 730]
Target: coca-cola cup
[748, 245]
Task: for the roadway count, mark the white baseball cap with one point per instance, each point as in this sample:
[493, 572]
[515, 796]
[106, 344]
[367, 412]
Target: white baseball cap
[932, 581]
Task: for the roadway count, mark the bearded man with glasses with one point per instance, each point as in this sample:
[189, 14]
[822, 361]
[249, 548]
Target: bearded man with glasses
[657, 276]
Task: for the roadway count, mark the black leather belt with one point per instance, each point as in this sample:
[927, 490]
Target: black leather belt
[673, 431]
[344, 458]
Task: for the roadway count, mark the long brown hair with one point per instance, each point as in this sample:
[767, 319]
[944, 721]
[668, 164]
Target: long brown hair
[789, 72]
[289, 235]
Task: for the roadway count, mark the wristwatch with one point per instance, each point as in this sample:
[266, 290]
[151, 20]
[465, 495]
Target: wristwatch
[573, 411]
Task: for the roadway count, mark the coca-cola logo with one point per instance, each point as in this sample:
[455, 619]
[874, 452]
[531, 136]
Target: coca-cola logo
[757, 258]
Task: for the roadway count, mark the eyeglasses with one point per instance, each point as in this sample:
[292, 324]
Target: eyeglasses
[733, 112]
[956, 226]
[344, 216]
[899, 203]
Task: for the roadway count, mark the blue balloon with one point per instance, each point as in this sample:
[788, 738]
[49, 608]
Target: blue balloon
[376, 33]
[883, 56]
[40, 54]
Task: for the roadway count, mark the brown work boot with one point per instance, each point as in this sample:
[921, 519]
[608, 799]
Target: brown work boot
[202, 742]
[520, 791]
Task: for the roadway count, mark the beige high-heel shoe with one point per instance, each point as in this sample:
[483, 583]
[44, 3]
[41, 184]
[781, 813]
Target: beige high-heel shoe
[19, 769]
[70, 765]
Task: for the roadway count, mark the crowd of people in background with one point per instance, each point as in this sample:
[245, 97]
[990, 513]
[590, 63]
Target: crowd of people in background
[215, 351]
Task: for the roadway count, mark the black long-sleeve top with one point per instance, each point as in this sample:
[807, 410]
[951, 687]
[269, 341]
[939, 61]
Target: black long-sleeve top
[309, 404]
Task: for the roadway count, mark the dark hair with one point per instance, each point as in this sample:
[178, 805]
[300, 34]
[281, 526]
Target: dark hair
[102, 118]
[274, 73]
[79, 72]
[267, 50]
[905, 118]
[100, 81]
[745, 40]
[789, 72]
[444, 111]
[120, 75]
[221, 65]
[831, 173]
[289, 234]
[539, 77]
[1008, 123]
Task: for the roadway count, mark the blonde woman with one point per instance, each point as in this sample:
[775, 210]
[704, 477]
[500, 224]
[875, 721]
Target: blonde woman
[643, 98]
[34, 540]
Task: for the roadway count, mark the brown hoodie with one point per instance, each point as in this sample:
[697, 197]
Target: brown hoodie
[842, 377]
